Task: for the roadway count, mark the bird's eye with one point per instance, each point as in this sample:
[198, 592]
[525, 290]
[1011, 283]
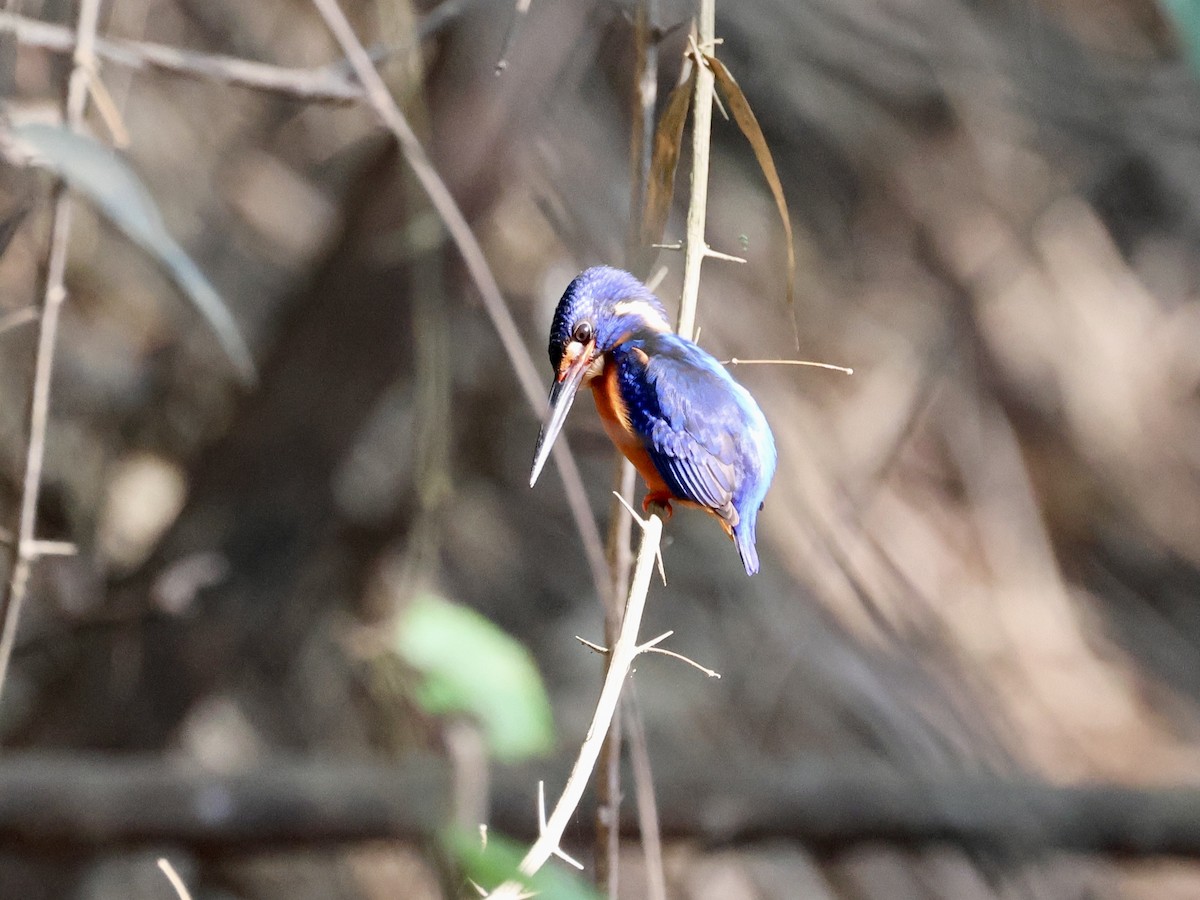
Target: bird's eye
[583, 332]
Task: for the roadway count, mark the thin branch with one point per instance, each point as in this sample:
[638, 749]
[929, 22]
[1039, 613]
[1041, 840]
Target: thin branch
[695, 248]
[845, 370]
[711, 673]
[21, 558]
[651, 646]
[325, 84]
[322, 84]
[456, 224]
[621, 659]
[168, 870]
[647, 807]
[38, 549]
[608, 785]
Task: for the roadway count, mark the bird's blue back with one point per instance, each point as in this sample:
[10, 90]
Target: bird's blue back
[705, 434]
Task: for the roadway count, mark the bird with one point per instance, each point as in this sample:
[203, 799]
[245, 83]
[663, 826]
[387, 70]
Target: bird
[695, 435]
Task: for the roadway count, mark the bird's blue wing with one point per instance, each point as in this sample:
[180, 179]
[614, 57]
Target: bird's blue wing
[681, 406]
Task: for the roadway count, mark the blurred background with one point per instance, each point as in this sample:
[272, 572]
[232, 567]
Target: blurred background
[981, 552]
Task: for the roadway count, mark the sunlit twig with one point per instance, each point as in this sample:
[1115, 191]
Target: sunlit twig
[846, 370]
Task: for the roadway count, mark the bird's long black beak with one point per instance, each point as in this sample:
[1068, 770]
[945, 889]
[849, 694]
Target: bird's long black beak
[562, 395]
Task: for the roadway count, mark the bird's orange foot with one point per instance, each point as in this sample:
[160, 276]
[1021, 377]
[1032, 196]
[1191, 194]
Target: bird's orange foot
[661, 499]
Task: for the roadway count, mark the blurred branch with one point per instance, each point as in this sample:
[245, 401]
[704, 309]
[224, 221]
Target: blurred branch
[647, 805]
[56, 803]
[695, 246]
[17, 317]
[73, 803]
[328, 84]
[322, 84]
[172, 876]
[606, 819]
[24, 551]
[520, 11]
[456, 224]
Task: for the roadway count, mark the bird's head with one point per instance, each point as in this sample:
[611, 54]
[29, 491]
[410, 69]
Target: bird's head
[599, 309]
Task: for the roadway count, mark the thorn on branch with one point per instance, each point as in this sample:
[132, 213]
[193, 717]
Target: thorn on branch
[625, 503]
[597, 647]
[541, 810]
[717, 254]
[651, 646]
[642, 523]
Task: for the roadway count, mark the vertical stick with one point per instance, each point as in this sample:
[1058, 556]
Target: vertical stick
[481, 274]
[608, 780]
[24, 553]
[622, 654]
[695, 247]
[608, 776]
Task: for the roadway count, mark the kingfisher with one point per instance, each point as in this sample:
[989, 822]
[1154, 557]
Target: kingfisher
[694, 434]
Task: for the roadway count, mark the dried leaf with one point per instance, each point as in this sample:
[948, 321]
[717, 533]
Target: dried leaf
[102, 176]
[660, 184]
[748, 122]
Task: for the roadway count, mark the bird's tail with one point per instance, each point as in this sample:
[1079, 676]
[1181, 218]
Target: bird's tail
[743, 537]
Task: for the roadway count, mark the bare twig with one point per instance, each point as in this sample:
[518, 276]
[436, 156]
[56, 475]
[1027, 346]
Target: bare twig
[621, 659]
[647, 807]
[326, 84]
[645, 98]
[303, 84]
[608, 784]
[846, 370]
[592, 645]
[21, 556]
[38, 549]
[651, 646]
[172, 876]
[489, 291]
[695, 248]
[633, 517]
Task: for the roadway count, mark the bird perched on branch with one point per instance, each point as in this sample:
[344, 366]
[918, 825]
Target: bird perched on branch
[694, 434]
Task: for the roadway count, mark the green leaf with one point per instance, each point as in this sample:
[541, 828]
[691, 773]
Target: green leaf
[1186, 16]
[739, 106]
[497, 864]
[471, 666]
[104, 178]
[664, 160]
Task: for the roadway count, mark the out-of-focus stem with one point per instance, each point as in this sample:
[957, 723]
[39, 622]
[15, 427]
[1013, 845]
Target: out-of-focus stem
[24, 547]
[695, 247]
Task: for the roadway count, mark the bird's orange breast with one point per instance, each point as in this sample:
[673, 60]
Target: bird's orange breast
[615, 416]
